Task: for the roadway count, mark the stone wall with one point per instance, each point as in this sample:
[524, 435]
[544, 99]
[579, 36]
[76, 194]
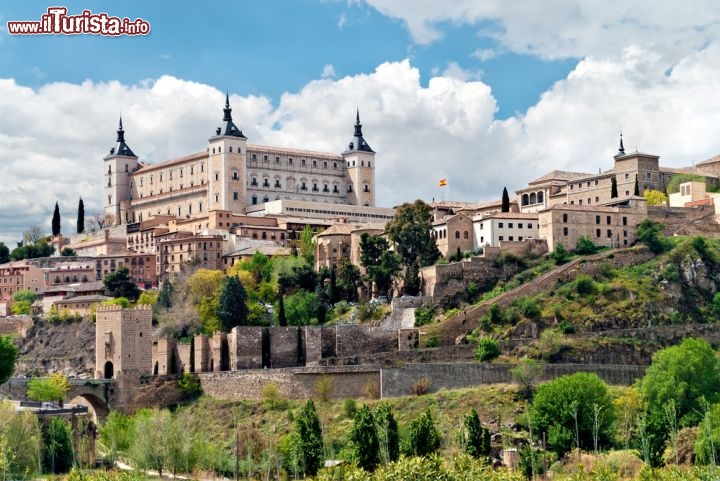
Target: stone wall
[442, 281]
[399, 381]
[354, 340]
[245, 343]
[294, 383]
[285, 347]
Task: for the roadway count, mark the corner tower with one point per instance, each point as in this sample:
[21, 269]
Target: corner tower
[118, 165]
[360, 163]
[227, 153]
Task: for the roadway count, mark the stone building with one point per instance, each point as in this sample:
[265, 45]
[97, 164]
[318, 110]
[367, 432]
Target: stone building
[342, 241]
[453, 232]
[123, 341]
[611, 225]
[232, 175]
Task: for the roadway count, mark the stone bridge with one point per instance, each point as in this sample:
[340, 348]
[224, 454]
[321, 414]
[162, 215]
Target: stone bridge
[99, 394]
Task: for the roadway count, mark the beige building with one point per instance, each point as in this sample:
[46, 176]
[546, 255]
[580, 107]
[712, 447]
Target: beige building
[123, 341]
[453, 232]
[176, 249]
[491, 230]
[342, 241]
[611, 226]
[232, 175]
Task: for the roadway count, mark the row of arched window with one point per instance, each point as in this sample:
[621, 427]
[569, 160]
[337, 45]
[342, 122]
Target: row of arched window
[532, 198]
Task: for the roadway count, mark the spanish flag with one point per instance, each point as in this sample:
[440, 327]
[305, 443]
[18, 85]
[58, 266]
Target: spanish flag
[442, 183]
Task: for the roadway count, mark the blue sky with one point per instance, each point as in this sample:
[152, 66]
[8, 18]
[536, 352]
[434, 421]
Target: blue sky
[488, 94]
[264, 48]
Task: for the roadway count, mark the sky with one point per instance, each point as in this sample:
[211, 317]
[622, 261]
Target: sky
[487, 94]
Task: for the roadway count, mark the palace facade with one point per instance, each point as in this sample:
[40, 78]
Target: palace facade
[235, 176]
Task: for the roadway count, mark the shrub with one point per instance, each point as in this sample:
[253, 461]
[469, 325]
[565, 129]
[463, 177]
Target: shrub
[529, 308]
[527, 375]
[585, 246]
[190, 385]
[350, 408]
[424, 314]
[323, 388]
[272, 399]
[432, 341]
[585, 285]
[487, 349]
[421, 386]
[560, 255]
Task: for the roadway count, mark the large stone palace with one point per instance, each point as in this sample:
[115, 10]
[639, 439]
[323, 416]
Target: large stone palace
[233, 175]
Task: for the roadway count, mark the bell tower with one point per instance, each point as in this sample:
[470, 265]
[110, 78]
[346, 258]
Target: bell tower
[359, 161]
[227, 153]
[117, 165]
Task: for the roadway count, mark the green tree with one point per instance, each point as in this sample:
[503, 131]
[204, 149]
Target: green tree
[8, 356]
[347, 280]
[364, 437]
[4, 253]
[381, 264]
[56, 221]
[505, 203]
[307, 245]
[650, 233]
[388, 435]
[81, 217]
[613, 188]
[32, 251]
[564, 409]
[260, 266]
[527, 374]
[116, 433]
[22, 301]
[309, 438]
[120, 284]
[688, 375]
[655, 197]
[282, 317]
[232, 310]
[58, 455]
[150, 441]
[475, 438]
[410, 232]
[302, 308]
[53, 388]
[585, 246]
[487, 349]
[20, 443]
[68, 252]
[425, 438]
[165, 296]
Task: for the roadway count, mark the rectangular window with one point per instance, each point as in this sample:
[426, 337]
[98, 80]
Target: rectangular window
[624, 220]
[565, 218]
[597, 233]
[501, 238]
[597, 219]
[609, 233]
[510, 225]
[529, 226]
[520, 226]
[565, 231]
[510, 238]
[608, 220]
[500, 225]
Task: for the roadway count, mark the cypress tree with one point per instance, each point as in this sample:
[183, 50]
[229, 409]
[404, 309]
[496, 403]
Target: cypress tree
[613, 188]
[81, 217]
[364, 437]
[282, 319]
[309, 438]
[637, 187]
[388, 435]
[505, 201]
[476, 437]
[233, 310]
[56, 221]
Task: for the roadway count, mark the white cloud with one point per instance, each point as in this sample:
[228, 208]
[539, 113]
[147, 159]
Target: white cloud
[341, 21]
[328, 71]
[52, 140]
[484, 54]
[455, 71]
[561, 28]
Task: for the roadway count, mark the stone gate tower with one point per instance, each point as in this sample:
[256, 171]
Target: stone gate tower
[123, 341]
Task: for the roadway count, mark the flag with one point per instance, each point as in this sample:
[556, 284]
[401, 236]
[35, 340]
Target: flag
[442, 183]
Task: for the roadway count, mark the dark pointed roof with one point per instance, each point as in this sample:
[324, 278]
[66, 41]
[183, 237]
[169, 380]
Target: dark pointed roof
[358, 143]
[621, 150]
[228, 127]
[121, 148]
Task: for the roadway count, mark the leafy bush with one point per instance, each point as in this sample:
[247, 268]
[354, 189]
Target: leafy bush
[272, 399]
[585, 246]
[421, 386]
[529, 308]
[424, 438]
[350, 408]
[432, 341]
[585, 285]
[487, 349]
[424, 314]
[190, 385]
[560, 255]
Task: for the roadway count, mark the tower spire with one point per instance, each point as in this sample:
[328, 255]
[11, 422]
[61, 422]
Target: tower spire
[227, 117]
[120, 132]
[229, 128]
[621, 150]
